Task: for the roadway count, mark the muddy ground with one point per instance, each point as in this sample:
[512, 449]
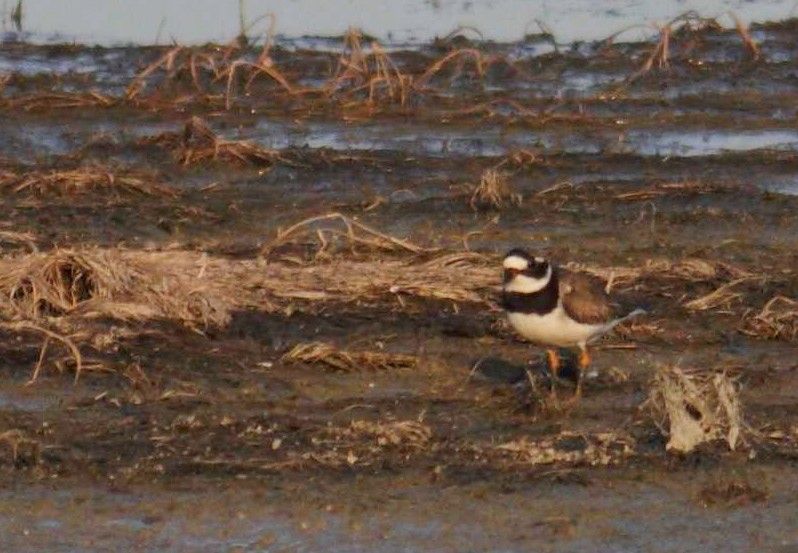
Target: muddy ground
[203, 433]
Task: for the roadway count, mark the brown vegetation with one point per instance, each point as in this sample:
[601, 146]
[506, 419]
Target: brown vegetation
[493, 191]
[778, 319]
[692, 408]
[330, 357]
[69, 182]
[355, 234]
[198, 143]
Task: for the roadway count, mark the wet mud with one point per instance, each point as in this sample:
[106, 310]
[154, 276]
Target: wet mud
[250, 380]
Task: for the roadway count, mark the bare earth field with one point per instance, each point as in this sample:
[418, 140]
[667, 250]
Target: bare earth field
[248, 296]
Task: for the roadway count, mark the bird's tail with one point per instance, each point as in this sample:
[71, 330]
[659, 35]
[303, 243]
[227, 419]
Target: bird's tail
[635, 313]
[612, 324]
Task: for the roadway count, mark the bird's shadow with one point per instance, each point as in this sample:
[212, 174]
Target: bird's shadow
[496, 370]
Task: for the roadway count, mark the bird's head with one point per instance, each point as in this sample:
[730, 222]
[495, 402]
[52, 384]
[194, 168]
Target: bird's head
[525, 273]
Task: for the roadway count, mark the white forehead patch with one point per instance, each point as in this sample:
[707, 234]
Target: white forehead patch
[539, 260]
[515, 262]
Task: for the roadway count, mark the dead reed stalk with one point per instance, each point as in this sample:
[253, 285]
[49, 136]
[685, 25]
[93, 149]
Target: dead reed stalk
[371, 74]
[690, 269]
[40, 101]
[751, 47]
[722, 296]
[778, 319]
[355, 233]
[459, 57]
[14, 238]
[49, 335]
[692, 408]
[69, 182]
[205, 67]
[198, 143]
[658, 56]
[330, 357]
[493, 191]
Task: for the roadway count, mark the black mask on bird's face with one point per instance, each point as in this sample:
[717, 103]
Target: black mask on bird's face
[524, 271]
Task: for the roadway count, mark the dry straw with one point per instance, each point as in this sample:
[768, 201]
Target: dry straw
[688, 24]
[39, 101]
[70, 182]
[571, 448]
[371, 74]
[407, 433]
[97, 282]
[326, 228]
[691, 408]
[778, 319]
[55, 294]
[14, 238]
[330, 357]
[493, 191]
[204, 68]
[198, 143]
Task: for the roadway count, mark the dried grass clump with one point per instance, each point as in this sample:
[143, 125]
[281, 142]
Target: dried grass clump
[459, 59]
[493, 191]
[198, 143]
[690, 269]
[689, 27]
[377, 282]
[40, 101]
[95, 282]
[55, 283]
[327, 229]
[371, 75]
[692, 408]
[15, 239]
[84, 180]
[722, 296]
[689, 187]
[63, 296]
[330, 357]
[571, 448]
[778, 319]
[203, 68]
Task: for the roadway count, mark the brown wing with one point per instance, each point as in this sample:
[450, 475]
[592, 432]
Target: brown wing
[584, 298]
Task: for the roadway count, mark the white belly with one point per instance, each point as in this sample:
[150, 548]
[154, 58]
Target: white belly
[554, 329]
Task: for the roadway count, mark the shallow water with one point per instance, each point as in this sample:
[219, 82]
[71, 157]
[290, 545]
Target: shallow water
[198, 21]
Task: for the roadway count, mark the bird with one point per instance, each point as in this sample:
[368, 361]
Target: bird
[556, 308]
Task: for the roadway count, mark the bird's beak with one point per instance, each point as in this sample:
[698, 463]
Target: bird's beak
[509, 274]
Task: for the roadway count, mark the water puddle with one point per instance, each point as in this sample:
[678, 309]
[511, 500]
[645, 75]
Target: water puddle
[434, 141]
[200, 21]
[709, 142]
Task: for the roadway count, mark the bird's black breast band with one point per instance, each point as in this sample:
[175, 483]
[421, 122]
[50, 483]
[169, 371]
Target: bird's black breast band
[541, 302]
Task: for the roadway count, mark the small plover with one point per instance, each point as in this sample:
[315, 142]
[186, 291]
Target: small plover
[556, 308]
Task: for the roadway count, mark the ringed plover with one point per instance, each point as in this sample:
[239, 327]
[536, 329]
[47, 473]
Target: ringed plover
[556, 308]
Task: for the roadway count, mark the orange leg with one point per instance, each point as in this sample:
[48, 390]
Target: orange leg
[554, 369]
[584, 363]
